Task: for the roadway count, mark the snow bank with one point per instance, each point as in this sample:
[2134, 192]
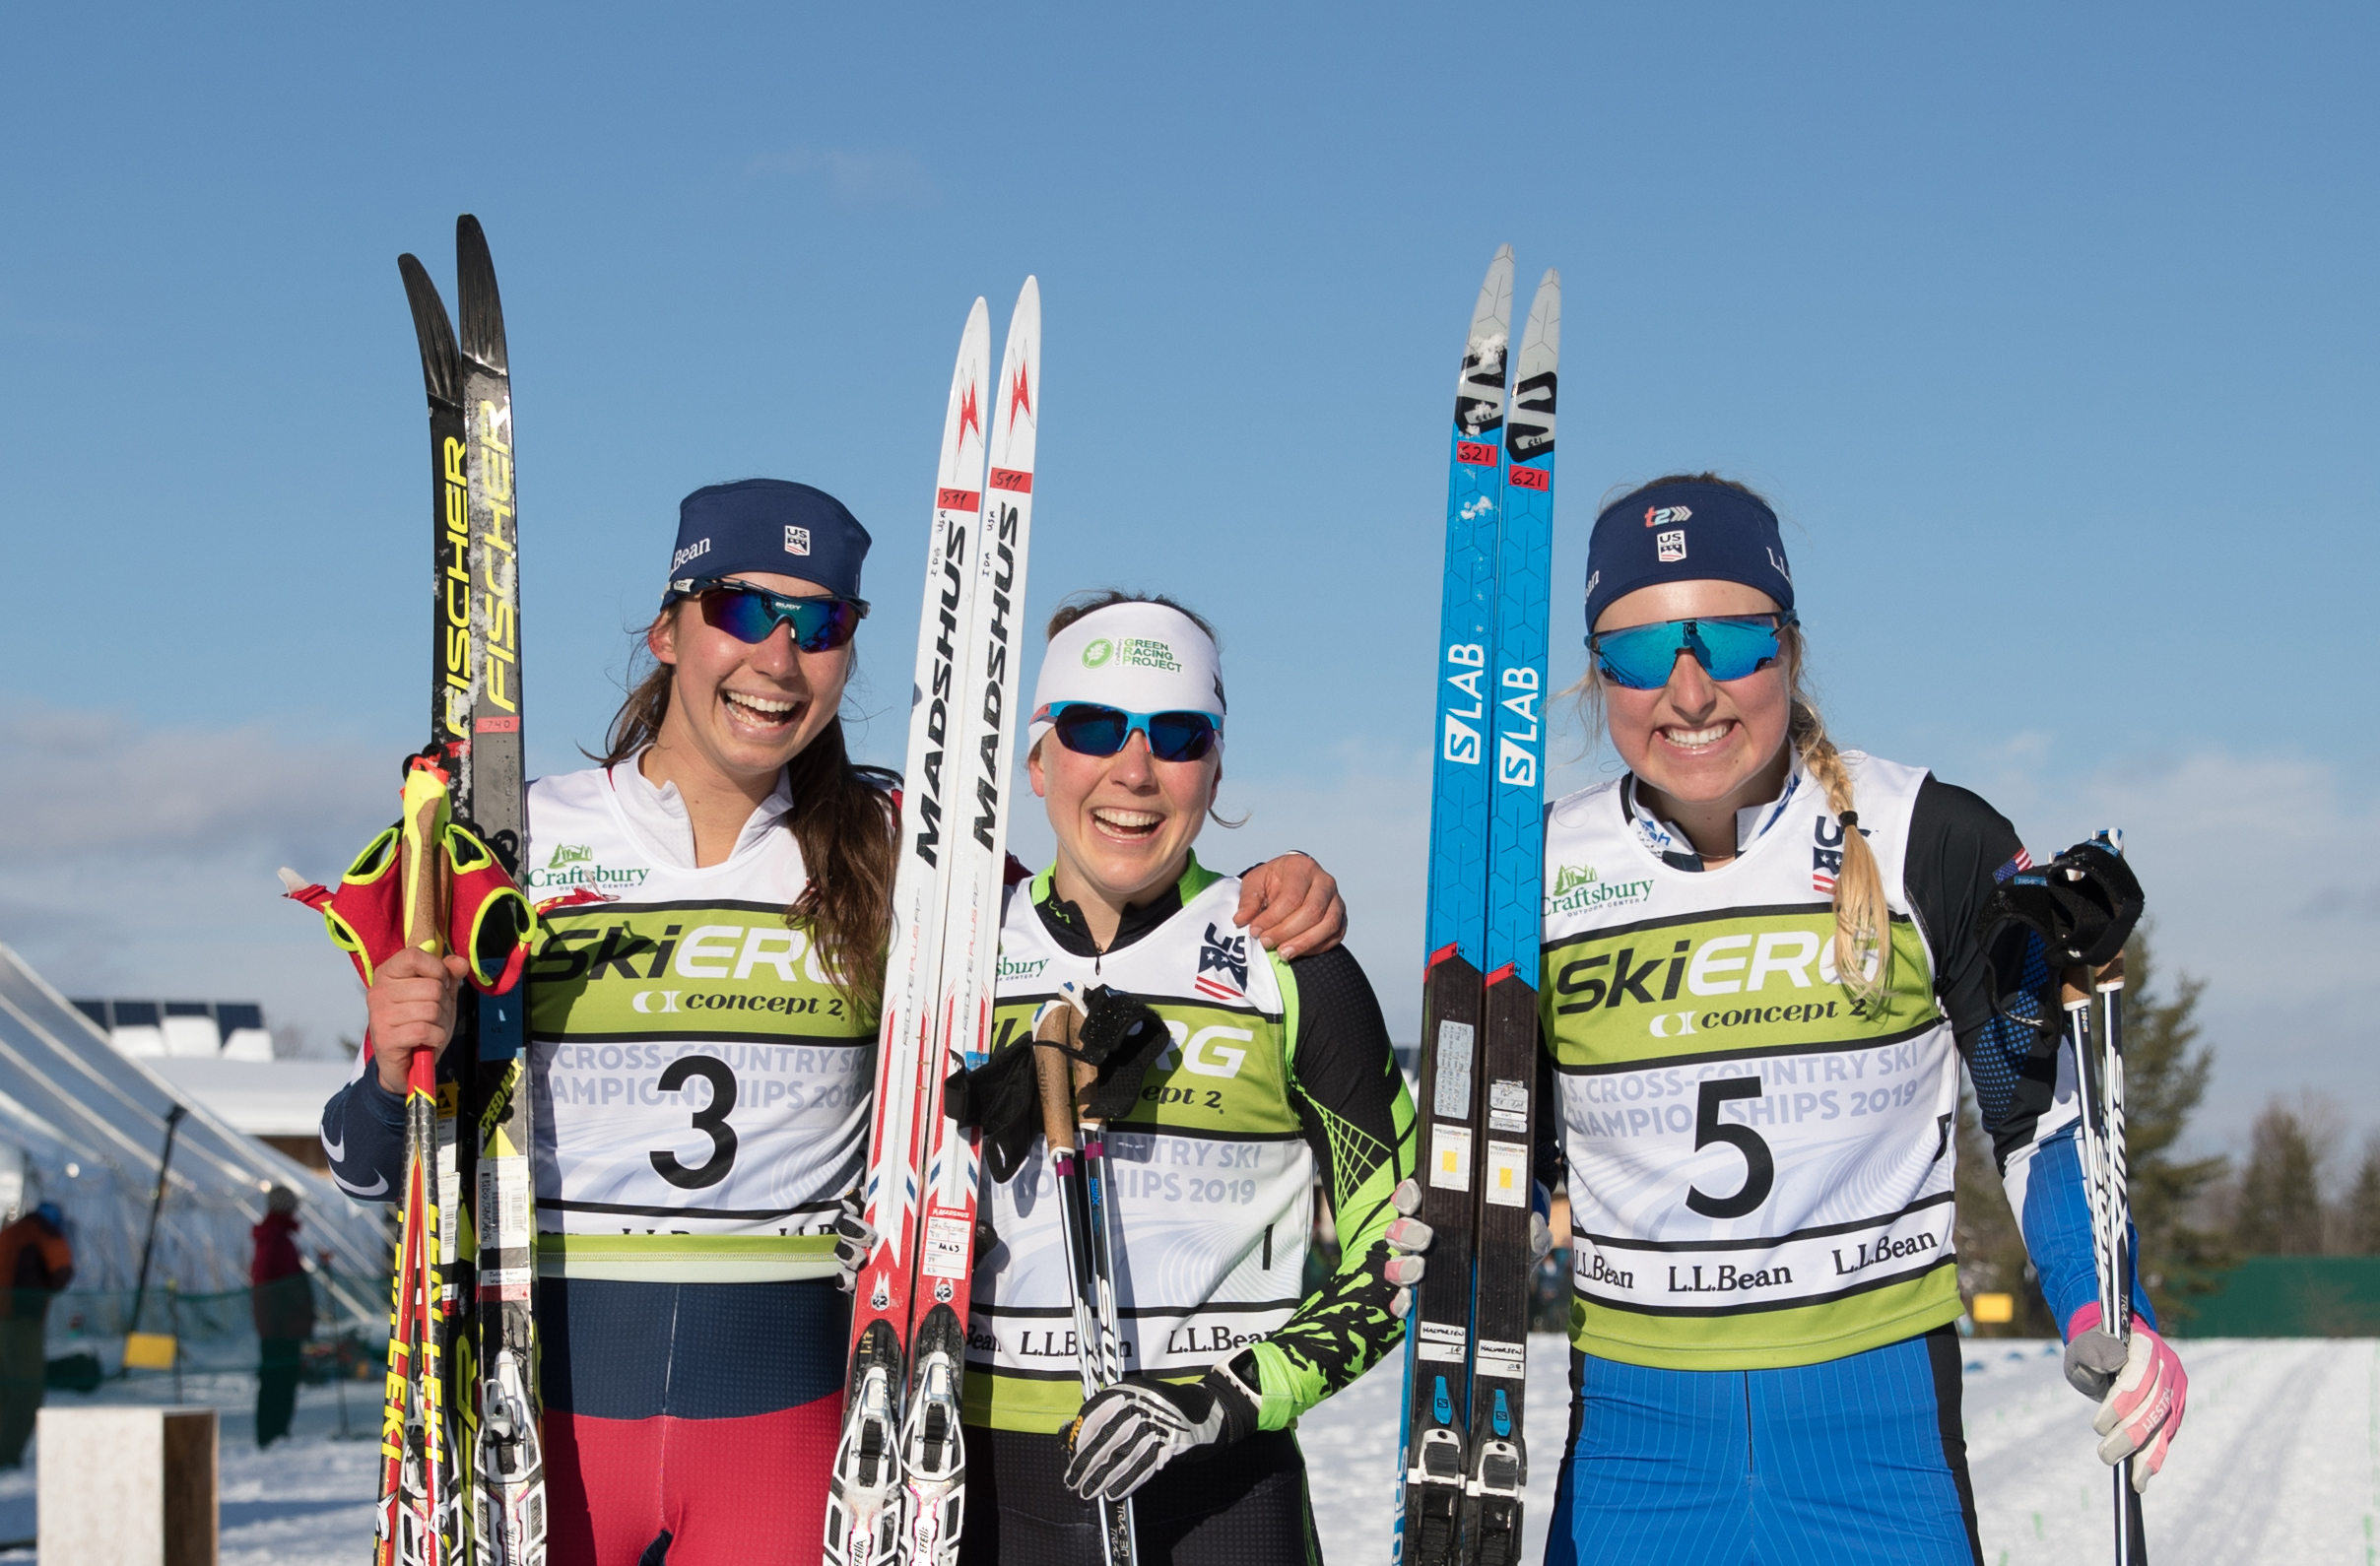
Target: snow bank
[2279, 1460]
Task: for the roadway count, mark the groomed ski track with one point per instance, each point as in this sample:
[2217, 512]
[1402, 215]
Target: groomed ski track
[2278, 1464]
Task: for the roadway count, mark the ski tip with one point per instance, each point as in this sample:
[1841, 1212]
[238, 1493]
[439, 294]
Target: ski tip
[1503, 257]
[432, 332]
[1551, 279]
[482, 309]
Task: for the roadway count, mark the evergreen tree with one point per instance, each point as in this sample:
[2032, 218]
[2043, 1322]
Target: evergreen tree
[2279, 1212]
[2363, 1204]
[2165, 1069]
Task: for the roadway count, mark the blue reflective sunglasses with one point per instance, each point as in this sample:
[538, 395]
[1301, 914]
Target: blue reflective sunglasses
[1089, 729]
[750, 613]
[1727, 647]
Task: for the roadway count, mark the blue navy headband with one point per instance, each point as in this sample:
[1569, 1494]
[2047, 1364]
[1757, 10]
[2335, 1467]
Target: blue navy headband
[1682, 533]
[768, 525]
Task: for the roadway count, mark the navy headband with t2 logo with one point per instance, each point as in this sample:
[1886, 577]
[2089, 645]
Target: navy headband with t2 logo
[1682, 533]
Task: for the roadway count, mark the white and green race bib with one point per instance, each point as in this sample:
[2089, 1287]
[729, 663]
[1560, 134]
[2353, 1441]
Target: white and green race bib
[1760, 1167]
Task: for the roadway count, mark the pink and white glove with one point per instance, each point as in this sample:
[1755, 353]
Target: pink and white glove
[2141, 1390]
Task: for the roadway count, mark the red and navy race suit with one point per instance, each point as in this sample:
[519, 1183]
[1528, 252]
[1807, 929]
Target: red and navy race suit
[700, 1100]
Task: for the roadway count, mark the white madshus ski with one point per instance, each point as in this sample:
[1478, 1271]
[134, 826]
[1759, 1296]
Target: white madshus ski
[865, 1495]
[898, 1489]
[1462, 1461]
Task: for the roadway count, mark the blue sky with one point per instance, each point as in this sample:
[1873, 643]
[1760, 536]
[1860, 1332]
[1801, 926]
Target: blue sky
[2050, 332]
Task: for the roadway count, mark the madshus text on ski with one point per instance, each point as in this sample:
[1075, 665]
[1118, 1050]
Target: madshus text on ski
[989, 1242]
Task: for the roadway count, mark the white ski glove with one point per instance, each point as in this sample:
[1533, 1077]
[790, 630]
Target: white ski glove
[2140, 1388]
[1132, 1429]
[854, 1241]
[1408, 1237]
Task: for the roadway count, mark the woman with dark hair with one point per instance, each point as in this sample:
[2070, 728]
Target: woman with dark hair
[1259, 1079]
[702, 1006]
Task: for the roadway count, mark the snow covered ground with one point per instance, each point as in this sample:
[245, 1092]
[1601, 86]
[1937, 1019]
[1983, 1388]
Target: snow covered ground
[305, 1500]
[2279, 1462]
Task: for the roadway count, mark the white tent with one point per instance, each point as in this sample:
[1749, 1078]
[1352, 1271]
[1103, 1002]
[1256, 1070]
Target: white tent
[91, 1126]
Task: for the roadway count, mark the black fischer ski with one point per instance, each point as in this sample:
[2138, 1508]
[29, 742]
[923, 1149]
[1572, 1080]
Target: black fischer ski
[1463, 1461]
[480, 1333]
[507, 1458]
[418, 1519]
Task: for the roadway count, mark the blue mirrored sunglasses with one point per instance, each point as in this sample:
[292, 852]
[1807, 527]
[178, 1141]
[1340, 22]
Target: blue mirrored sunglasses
[1090, 729]
[1727, 647]
[749, 614]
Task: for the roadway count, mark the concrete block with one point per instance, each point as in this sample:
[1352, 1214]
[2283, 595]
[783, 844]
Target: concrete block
[127, 1486]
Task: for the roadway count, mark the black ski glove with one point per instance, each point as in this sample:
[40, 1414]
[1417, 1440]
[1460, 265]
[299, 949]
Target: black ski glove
[1122, 1036]
[1130, 1430]
[1001, 1098]
[2081, 905]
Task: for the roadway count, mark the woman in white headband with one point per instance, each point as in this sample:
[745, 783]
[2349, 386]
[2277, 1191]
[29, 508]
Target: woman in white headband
[1268, 1071]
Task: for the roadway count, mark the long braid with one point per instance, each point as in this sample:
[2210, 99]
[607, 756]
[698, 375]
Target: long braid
[1862, 919]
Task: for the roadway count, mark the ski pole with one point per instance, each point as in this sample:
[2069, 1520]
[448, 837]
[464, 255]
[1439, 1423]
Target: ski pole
[415, 1459]
[1080, 1221]
[2098, 1078]
[2132, 1540]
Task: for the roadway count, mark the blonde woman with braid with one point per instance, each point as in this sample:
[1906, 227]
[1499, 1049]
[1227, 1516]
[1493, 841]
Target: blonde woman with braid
[1761, 973]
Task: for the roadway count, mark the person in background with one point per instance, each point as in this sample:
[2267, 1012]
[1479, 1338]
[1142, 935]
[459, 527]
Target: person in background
[283, 1298]
[37, 1262]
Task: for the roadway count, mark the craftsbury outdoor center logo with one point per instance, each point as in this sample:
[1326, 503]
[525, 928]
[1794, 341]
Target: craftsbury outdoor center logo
[573, 865]
[1027, 969]
[1577, 888]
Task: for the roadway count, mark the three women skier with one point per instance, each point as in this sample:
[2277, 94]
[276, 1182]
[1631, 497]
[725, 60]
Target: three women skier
[1764, 961]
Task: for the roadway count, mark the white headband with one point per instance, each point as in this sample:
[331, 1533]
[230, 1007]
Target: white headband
[1138, 657]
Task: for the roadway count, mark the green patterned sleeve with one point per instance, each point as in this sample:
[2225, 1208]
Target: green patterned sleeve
[1360, 1123]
